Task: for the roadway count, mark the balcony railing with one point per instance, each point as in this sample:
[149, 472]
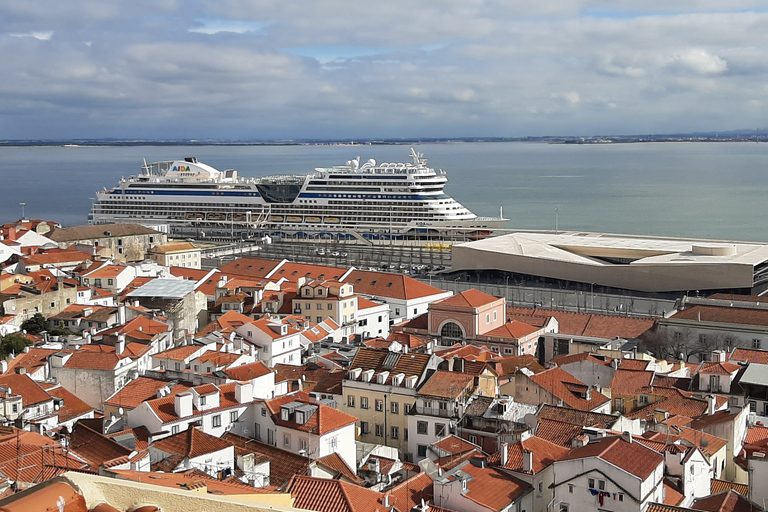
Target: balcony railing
[435, 411]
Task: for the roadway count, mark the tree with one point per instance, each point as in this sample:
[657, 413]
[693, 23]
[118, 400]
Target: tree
[36, 324]
[13, 343]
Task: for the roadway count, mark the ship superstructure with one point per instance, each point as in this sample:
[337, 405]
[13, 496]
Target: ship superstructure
[371, 200]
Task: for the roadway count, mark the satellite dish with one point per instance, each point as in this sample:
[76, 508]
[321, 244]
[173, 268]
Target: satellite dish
[531, 421]
[120, 411]
[703, 443]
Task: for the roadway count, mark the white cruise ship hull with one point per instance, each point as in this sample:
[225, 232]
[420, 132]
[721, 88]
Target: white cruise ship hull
[370, 200]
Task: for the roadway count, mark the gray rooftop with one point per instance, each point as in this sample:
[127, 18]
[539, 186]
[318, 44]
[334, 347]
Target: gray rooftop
[755, 374]
[165, 289]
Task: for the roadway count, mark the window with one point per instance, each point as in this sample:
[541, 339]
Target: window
[487, 318]
[308, 306]
[591, 483]
[643, 399]
[178, 368]
[263, 411]
[363, 402]
[541, 487]
[756, 343]
[439, 429]
[364, 428]
[110, 282]
[397, 311]
[601, 485]
[174, 429]
[216, 421]
[421, 427]
[621, 496]
[53, 305]
[286, 439]
[319, 306]
[405, 434]
[233, 415]
[15, 408]
[379, 405]
[394, 408]
[350, 400]
[303, 444]
[379, 430]
[329, 306]
[395, 432]
[473, 439]
[451, 330]
[563, 507]
[422, 450]
[197, 368]
[203, 399]
[570, 488]
[495, 315]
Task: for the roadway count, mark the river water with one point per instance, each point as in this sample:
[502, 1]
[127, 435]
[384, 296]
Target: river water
[702, 189]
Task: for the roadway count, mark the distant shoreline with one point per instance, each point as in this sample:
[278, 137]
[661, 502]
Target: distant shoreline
[607, 139]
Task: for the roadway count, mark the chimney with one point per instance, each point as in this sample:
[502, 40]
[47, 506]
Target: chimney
[527, 461]
[711, 404]
[120, 344]
[121, 314]
[244, 392]
[626, 436]
[504, 453]
[182, 405]
[386, 501]
[93, 331]
[718, 356]
[21, 370]
[588, 394]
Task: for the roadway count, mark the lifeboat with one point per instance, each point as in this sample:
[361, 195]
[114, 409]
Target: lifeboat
[194, 216]
[293, 218]
[313, 219]
[216, 216]
[275, 218]
[331, 220]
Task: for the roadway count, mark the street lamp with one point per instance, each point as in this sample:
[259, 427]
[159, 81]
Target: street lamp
[556, 230]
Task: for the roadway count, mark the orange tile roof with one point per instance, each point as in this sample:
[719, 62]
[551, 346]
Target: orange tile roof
[569, 389]
[718, 368]
[33, 360]
[31, 457]
[583, 324]
[247, 371]
[726, 501]
[283, 464]
[96, 448]
[191, 442]
[164, 407]
[544, 454]
[94, 357]
[633, 364]
[140, 389]
[323, 495]
[491, 488]
[411, 492]
[556, 432]
[576, 417]
[226, 323]
[471, 298]
[671, 495]
[73, 406]
[188, 479]
[756, 433]
[628, 382]
[395, 286]
[730, 315]
[512, 329]
[31, 392]
[634, 458]
[750, 355]
[249, 267]
[447, 385]
[336, 463]
[326, 419]
[717, 486]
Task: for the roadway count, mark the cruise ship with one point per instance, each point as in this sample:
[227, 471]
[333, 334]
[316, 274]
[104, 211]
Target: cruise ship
[369, 200]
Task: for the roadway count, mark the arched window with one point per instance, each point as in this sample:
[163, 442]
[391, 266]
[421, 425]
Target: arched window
[451, 330]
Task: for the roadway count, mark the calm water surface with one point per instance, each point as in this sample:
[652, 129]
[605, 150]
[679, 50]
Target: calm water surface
[707, 190]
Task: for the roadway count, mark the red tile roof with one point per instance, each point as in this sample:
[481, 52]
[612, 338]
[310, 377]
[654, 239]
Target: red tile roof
[73, 407]
[247, 371]
[718, 368]
[336, 463]
[326, 419]
[560, 433]
[730, 315]
[544, 454]
[569, 389]
[576, 417]
[583, 324]
[512, 329]
[491, 488]
[447, 385]
[191, 443]
[140, 389]
[323, 495]
[750, 355]
[283, 464]
[634, 458]
[96, 448]
[727, 501]
[628, 382]
[396, 286]
[411, 492]
[30, 391]
[717, 486]
[471, 298]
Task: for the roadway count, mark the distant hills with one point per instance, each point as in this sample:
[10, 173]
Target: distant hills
[744, 135]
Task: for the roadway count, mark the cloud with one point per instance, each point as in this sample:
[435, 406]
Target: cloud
[234, 68]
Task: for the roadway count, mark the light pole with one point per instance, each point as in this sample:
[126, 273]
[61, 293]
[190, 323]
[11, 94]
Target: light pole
[556, 230]
[22, 210]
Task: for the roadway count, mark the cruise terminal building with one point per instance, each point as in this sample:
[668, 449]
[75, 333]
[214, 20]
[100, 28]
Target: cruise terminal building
[622, 262]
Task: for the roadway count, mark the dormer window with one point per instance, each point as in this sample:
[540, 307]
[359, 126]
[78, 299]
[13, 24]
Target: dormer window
[300, 417]
[284, 414]
[307, 291]
[320, 291]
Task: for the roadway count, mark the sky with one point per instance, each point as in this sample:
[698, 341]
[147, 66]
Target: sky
[265, 70]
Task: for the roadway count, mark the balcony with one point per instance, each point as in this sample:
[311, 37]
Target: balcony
[435, 411]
